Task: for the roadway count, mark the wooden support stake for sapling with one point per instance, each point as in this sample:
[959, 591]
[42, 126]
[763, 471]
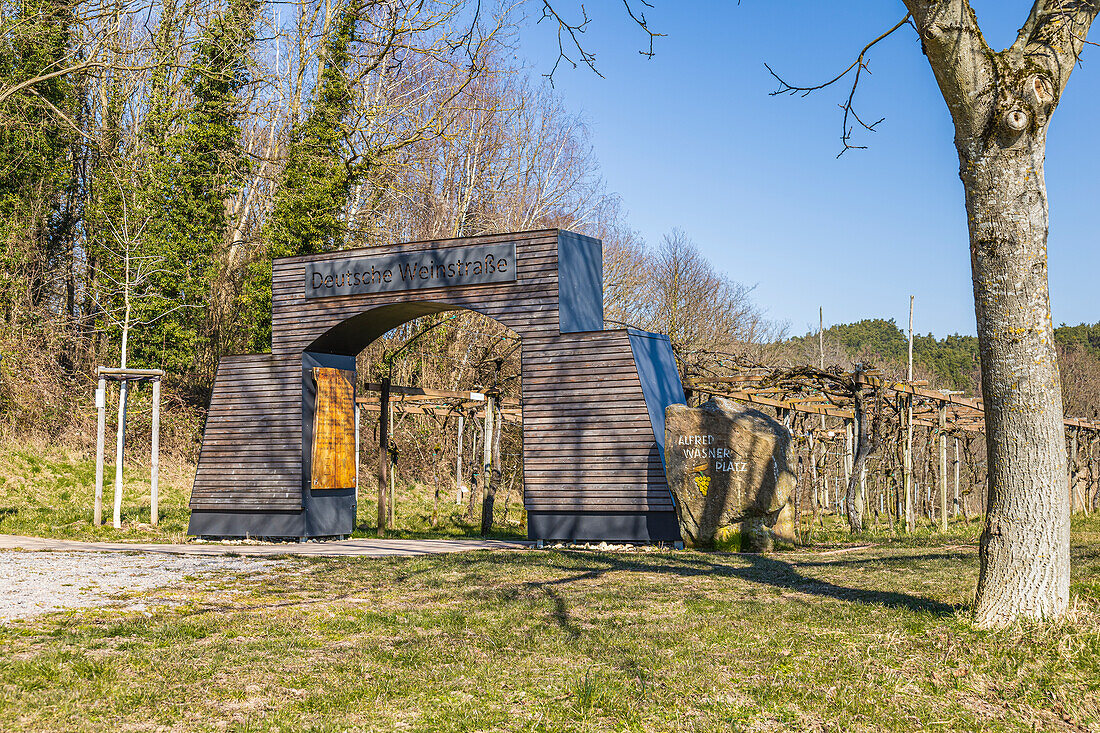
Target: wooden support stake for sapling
[100, 435]
[119, 447]
[154, 478]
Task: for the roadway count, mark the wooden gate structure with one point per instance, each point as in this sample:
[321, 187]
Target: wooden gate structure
[593, 399]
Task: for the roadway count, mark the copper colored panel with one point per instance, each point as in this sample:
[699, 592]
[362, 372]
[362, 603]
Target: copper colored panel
[334, 430]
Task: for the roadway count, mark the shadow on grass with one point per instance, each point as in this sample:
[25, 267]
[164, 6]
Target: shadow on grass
[577, 566]
[761, 569]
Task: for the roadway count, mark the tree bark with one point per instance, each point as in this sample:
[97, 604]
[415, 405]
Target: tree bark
[1025, 545]
[867, 440]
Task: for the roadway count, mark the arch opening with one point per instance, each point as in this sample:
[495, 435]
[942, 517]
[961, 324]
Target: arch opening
[444, 365]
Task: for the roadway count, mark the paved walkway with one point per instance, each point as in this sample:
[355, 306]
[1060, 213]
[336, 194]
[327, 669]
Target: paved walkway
[335, 548]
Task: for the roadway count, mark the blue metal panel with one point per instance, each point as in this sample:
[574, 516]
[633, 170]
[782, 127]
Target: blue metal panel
[660, 379]
[580, 283]
[588, 526]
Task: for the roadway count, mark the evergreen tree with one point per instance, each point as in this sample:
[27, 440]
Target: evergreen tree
[201, 166]
[309, 206]
[36, 150]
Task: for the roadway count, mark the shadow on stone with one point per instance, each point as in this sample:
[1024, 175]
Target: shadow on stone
[729, 469]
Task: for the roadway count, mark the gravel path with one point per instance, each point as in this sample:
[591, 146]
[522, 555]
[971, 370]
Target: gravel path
[39, 582]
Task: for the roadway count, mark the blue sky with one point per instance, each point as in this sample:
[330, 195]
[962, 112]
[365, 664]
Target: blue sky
[692, 139]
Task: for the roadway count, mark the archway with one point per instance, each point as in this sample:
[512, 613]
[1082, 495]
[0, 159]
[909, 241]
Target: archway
[593, 399]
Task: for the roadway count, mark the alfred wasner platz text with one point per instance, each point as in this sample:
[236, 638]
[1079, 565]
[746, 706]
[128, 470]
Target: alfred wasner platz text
[462, 266]
[280, 432]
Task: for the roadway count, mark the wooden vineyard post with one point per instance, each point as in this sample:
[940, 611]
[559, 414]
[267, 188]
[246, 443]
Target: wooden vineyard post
[1093, 483]
[154, 478]
[907, 467]
[863, 488]
[458, 460]
[797, 500]
[943, 466]
[815, 503]
[1074, 497]
[487, 456]
[383, 454]
[101, 426]
[847, 452]
[392, 502]
[492, 485]
[956, 501]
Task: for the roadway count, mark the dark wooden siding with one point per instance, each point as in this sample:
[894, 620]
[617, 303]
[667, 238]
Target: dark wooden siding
[588, 441]
[251, 456]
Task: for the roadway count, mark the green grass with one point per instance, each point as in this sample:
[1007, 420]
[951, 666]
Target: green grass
[869, 639]
[49, 491]
[415, 506]
[832, 530]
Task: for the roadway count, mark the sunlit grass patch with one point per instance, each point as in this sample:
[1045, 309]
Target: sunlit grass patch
[49, 491]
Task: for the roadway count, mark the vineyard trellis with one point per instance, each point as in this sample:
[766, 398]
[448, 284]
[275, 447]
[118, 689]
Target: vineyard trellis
[894, 447]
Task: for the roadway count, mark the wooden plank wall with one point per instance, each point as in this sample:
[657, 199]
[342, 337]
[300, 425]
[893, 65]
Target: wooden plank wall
[528, 305]
[251, 456]
[588, 442]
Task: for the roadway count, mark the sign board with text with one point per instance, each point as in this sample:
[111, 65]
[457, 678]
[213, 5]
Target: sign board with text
[443, 268]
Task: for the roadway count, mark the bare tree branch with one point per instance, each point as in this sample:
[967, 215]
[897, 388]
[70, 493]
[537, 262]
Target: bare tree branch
[1056, 37]
[860, 65]
[569, 35]
[959, 56]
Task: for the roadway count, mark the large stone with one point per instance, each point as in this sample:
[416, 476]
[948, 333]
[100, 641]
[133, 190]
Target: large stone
[729, 469]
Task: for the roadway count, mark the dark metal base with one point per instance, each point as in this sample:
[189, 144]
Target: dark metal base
[246, 524]
[603, 526]
[328, 514]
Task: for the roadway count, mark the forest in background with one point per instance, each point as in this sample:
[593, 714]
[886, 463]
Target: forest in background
[155, 159]
[951, 362]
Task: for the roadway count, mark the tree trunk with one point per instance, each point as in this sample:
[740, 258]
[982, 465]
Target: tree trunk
[867, 439]
[383, 455]
[853, 501]
[1024, 548]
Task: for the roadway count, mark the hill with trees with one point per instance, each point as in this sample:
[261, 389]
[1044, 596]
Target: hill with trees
[952, 362]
